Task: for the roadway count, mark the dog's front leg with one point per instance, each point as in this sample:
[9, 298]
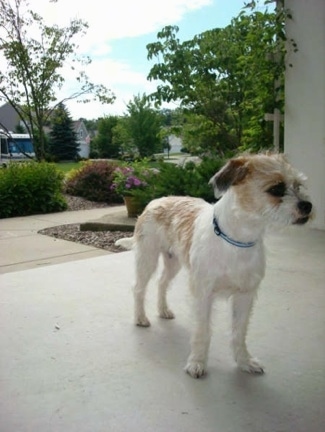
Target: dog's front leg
[200, 341]
[242, 306]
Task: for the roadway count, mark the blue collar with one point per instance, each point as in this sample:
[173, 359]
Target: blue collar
[219, 233]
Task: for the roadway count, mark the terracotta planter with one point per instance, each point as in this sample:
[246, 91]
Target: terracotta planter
[133, 207]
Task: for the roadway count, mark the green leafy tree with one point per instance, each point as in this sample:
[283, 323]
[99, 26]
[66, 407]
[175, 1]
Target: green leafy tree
[122, 137]
[63, 143]
[201, 136]
[166, 117]
[103, 142]
[33, 62]
[226, 76]
[143, 125]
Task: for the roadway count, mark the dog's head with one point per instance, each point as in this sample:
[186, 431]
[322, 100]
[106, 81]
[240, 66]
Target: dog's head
[266, 186]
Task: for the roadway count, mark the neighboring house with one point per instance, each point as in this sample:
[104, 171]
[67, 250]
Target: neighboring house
[10, 120]
[83, 138]
[175, 144]
[13, 148]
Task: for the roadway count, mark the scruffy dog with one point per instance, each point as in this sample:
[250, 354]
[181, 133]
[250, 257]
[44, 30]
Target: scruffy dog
[221, 245]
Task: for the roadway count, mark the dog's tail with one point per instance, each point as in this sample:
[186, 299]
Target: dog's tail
[126, 243]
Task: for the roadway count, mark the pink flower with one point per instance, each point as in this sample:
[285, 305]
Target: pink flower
[136, 181]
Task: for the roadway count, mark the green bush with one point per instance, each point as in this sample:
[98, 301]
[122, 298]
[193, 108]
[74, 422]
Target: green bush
[93, 181]
[30, 188]
[188, 180]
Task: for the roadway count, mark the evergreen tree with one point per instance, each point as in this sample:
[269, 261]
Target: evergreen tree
[63, 139]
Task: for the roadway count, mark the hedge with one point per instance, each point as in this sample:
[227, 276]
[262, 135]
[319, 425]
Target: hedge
[30, 188]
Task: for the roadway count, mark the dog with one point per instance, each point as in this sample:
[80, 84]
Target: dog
[220, 244]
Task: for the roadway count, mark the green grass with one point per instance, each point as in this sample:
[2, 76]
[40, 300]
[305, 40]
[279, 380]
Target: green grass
[68, 166]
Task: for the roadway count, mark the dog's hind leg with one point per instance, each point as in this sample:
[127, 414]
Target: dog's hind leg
[242, 304]
[171, 268]
[200, 341]
[145, 264]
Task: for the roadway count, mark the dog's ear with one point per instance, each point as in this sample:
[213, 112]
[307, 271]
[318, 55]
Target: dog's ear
[231, 174]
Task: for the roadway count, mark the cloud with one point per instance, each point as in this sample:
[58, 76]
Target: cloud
[123, 18]
[120, 78]
[125, 83]
[109, 22]
[134, 18]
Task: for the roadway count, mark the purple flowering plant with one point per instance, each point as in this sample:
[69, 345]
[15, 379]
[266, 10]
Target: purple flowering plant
[130, 177]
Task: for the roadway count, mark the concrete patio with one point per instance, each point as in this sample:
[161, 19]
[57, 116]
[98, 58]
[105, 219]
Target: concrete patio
[72, 360]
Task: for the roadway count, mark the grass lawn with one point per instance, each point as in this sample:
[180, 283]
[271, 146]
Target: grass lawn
[68, 166]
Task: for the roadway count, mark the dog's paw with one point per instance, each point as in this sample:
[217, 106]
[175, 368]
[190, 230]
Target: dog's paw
[252, 366]
[166, 314]
[195, 369]
[142, 322]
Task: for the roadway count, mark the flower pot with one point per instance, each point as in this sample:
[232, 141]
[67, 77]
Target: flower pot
[133, 206]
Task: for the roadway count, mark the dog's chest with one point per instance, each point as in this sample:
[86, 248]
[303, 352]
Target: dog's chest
[228, 268]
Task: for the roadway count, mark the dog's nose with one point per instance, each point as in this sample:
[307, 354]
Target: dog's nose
[305, 207]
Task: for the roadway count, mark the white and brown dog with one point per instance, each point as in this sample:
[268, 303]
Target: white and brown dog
[221, 245]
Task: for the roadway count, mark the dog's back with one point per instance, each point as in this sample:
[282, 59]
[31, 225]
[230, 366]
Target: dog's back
[167, 226]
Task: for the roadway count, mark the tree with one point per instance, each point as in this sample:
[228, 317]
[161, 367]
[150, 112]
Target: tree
[122, 137]
[143, 125]
[103, 142]
[225, 75]
[63, 143]
[34, 61]
[202, 136]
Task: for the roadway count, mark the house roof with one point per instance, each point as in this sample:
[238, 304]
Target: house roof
[8, 117]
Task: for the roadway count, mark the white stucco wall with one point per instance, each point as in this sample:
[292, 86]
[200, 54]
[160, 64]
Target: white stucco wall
[305, 98]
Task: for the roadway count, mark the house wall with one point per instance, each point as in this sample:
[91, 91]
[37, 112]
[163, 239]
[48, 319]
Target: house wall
[305, 98]
[83, 149]
[175, 144]
[82, 139]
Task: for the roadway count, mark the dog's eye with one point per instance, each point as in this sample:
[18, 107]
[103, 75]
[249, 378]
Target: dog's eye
[277, 190]
[297, 186]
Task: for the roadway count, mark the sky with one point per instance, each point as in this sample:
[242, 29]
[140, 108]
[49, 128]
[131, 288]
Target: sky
[116, 40]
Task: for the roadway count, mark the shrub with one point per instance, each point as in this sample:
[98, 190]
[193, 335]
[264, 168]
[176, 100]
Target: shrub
[30, 188]
[188, 180]
[93, 154]
[203, 172]
[93, 181]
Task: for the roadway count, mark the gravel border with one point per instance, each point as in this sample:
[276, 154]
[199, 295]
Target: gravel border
[99, 239]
